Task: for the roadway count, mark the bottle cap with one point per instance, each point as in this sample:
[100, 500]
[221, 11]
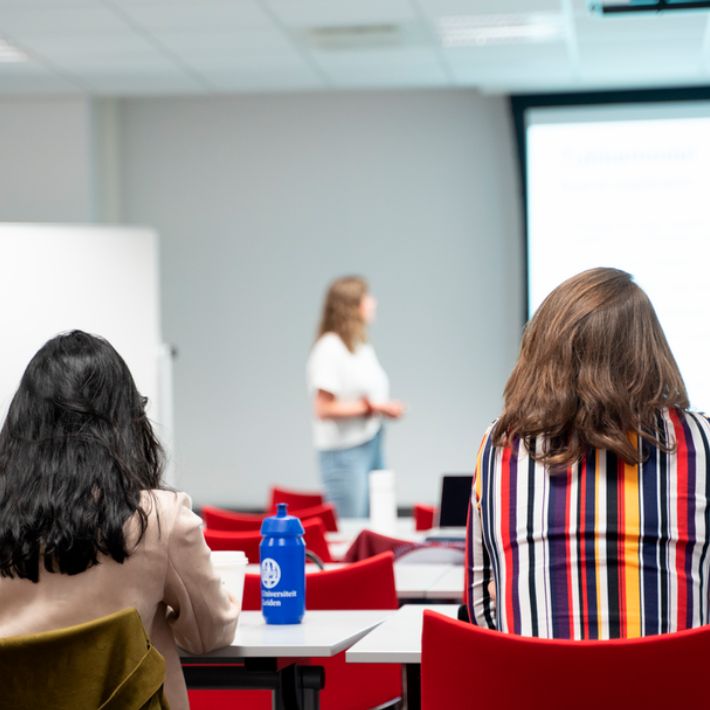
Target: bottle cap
[282, 523]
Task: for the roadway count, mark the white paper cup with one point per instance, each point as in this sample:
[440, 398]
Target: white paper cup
[231, 567]
[383, 502]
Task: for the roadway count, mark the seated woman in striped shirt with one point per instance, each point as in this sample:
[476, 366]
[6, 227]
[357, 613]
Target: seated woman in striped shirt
[590, 513]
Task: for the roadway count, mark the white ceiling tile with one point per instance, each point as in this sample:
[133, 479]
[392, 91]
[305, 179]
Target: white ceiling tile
[374, 59]
[26, 5]
[216, 16]
[504, 63]
[132, 84]
[59, 19]
[314, 13]
[262, 40]
[252, 45]
[264, 79]
[639, 59]
[134, 64]
[249, 61]
[442, 8]
[384, 67]
[648, 28]
[37, 84]
[391, 79]
[23, 69]
[83, 43]
[542, 54]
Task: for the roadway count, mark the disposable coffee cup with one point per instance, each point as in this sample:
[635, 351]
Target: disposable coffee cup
[231, 566]
[383, 502]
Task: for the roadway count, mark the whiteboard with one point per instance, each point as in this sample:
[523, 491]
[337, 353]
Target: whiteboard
[104, 280]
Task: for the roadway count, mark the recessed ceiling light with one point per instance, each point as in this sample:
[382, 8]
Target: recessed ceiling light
[473, 30]
[8, 53]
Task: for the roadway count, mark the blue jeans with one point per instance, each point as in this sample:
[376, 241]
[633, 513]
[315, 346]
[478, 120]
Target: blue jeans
[345, 474]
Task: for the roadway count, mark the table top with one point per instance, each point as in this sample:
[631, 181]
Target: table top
[398, 639]
[415, 581]
[445, 534]
[412, 581]
[321, 634]
[448, 585]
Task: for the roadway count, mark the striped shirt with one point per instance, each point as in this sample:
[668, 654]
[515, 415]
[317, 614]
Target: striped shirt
[600, 550]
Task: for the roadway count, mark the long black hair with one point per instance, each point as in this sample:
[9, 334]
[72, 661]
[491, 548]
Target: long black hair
[76, 450]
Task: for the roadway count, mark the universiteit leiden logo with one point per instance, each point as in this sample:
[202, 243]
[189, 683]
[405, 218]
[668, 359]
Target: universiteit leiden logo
[270, 573]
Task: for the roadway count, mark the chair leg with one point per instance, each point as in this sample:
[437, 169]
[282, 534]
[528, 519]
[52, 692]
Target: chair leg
[301, 686]
[413, 686]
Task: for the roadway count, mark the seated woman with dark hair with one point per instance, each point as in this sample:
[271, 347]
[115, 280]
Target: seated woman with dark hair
[590, 516]
[86, 527]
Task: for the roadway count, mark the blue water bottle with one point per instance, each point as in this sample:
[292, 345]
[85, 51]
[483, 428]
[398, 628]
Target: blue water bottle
[283, 568]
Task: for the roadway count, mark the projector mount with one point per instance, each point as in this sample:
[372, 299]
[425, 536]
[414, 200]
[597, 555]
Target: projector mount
[656, 6]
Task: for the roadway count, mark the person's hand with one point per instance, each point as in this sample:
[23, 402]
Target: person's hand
[391, 410]
[492, 590]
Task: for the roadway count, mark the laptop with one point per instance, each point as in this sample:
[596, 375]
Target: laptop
[453, 508]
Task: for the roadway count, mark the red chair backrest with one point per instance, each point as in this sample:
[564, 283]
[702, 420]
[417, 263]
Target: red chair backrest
[462, 662]
[248, 542]
[314, 535]
[296, 500]
[361, 585]
[220, 519]
[424, 516]
[326, 512]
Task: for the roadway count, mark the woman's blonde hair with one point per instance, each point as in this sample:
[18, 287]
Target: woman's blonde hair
[341, 311]
[594, 365]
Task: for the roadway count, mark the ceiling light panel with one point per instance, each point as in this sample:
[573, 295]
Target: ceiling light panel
[481, 30]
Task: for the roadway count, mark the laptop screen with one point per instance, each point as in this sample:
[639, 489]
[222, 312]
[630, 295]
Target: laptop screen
[455, 495]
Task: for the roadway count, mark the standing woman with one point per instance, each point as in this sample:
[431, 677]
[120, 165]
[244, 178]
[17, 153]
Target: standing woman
[351, 396]
[590, 516]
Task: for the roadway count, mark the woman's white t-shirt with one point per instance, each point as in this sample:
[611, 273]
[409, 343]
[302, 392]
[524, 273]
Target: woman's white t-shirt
[349, 377]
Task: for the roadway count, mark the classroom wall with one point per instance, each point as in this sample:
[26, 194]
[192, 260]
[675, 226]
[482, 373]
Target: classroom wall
[259, 201]
[45, 151]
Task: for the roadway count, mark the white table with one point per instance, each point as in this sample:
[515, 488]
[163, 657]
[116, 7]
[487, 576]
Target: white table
[445, 534]
[449, 586]
[398, 639]
[416, 581]
[412, 581]
[322, 634]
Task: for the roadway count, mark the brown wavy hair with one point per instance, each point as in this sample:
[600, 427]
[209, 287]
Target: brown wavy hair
[341, 311]
[594, 366]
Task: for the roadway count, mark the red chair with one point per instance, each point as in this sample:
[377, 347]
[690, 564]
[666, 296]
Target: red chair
[424, 516]
[326, 512]
[248, 542]
[463, 664]
[220, 519]
[361, 585]
[296, 500]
